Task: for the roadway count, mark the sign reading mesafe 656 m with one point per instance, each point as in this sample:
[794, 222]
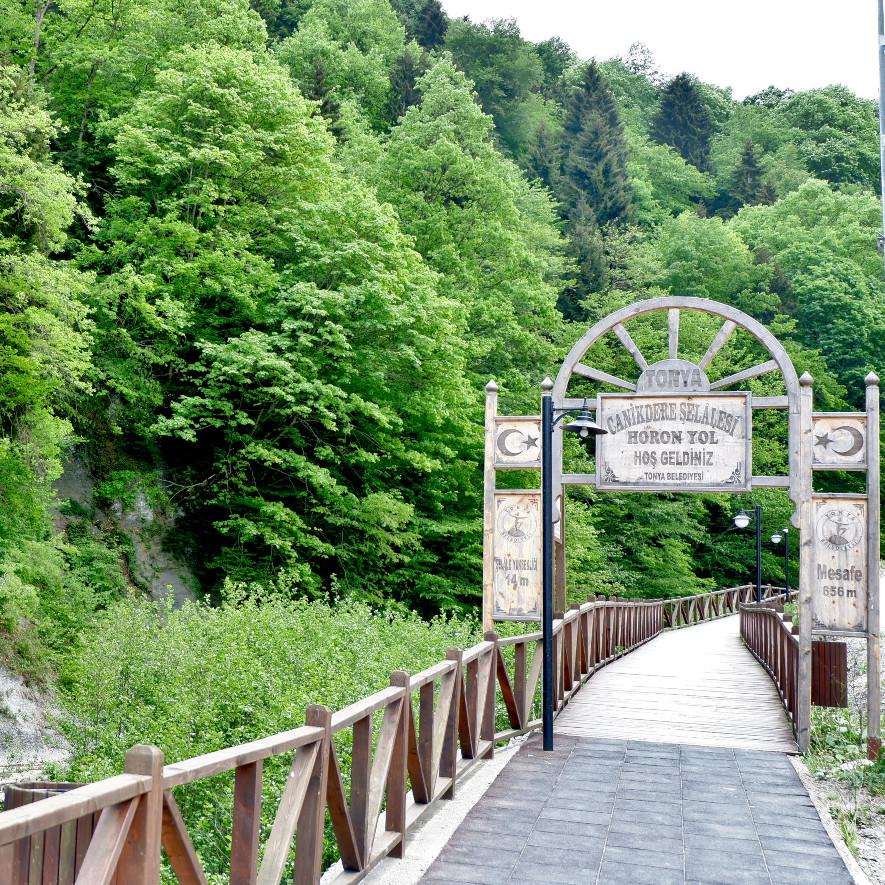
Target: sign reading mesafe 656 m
[680, 442]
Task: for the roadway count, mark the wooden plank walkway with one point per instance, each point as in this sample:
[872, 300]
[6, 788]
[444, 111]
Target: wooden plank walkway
[698, 685]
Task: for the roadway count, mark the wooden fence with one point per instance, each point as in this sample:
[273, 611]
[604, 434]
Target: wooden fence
[409, 743]
[772, 639]
[685, 611]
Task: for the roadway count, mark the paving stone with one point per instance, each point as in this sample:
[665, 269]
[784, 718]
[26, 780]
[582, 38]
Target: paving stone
[652, 832]
[568, 841]
[660, 860]
[796, 840]
[747, 844]
[573, 827]
[649, 817]
[634, 874]
[585, 855]
[643, 840]
[802, 860]
[714, 830]
[719, 857]
[659, 804]
[570, 814]
[792, 876]
[725, 874]
[551, 871]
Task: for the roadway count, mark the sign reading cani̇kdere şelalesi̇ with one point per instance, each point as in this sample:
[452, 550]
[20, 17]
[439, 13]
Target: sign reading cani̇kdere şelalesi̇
[674, 442]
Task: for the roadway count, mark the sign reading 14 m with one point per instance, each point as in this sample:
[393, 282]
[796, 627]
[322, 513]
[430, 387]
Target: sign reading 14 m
[678, 442]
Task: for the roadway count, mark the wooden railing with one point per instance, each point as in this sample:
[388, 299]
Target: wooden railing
[770, 639]
[684, 611]
[409, 743]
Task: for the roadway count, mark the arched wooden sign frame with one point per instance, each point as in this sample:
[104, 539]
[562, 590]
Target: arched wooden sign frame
[676, 376]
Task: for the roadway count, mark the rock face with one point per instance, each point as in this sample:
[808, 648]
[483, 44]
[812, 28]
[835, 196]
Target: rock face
[153, 568]
[27, 742]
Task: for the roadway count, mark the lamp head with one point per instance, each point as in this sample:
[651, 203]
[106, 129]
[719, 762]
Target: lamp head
[742, 520]
[776, 538]
[584, 425]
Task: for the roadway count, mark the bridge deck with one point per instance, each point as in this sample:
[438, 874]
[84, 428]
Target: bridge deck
[656, 777]
[698, 685]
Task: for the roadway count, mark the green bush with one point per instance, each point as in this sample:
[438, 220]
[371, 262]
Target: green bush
[201, 678]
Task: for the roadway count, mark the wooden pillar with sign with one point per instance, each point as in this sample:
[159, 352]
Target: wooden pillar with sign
[511, 518]
[845, 540]
[874, 679]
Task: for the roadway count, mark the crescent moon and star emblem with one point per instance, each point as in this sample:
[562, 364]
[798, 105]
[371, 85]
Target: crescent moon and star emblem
[843, 441]
[525, 442]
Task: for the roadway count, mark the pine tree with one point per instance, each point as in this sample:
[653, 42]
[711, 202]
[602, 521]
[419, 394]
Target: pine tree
[746, 184]
[586, 248]
[431, 25]
[595, 152]
[684, 122]
[403, 79]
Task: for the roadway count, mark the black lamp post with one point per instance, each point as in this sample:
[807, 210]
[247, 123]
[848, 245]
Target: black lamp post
[741, 521]
[776, 538]
[585, 427]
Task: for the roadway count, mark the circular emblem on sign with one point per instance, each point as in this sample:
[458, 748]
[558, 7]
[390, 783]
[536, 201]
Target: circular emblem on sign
[517, 523]
[839, 529]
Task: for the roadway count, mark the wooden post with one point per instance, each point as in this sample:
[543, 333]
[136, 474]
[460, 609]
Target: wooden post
[395, 815]
[806, 561]
[488, 509]
[487, 723]
[448, 764]
[246, 824]
[874, 685]
[311, 821]
[140, 859]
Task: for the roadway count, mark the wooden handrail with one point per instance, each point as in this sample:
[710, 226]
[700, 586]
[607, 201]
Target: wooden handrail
[411, 742]
[771, 641]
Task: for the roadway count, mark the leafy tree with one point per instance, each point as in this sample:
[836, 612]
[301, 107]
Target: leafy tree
[507, 74]
[491, 236]
[684, 122]
[594, 162]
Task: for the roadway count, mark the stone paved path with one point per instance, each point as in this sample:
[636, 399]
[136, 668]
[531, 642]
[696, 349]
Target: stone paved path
[598, 812]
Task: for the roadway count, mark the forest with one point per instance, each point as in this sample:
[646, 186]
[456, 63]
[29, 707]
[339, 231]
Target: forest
[257, 263]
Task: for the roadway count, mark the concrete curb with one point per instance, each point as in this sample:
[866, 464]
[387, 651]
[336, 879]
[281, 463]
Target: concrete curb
[854, 868]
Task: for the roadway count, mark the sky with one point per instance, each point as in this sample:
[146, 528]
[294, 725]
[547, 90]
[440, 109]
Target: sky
[746, 45]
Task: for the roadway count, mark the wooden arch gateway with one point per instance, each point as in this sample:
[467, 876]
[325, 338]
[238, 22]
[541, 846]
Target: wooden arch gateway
[673, 430]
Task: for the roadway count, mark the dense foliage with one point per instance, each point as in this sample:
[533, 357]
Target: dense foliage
[258, 260]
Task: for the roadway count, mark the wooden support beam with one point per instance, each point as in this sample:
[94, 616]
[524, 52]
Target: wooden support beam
[745, 374]
[673, 332]
[718, 343]
[631, 346]
[598, 375]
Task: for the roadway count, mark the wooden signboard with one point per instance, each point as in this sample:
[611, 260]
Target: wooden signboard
[839, 580]
[517, 556]
[677, 442]
[840, 441]
[518, 443]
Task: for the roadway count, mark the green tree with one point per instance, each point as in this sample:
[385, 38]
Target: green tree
[490, 235]
[275, 313]
[683, 121]
[594, 164]
[431, 25]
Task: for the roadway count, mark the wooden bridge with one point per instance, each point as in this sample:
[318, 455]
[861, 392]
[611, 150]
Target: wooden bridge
[663, 768]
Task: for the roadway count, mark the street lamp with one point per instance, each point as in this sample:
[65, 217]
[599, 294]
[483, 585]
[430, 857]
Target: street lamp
[585, 427]
[776, 538]
[741, 521]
